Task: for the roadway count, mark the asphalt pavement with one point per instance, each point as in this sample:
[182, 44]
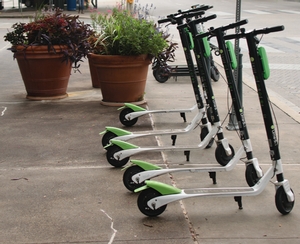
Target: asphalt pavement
[57, 186]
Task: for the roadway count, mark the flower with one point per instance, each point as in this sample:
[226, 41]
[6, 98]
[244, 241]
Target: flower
[53, 28]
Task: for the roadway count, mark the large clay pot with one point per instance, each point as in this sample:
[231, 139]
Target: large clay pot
[45, 75]
[93, 70]
[122, 78]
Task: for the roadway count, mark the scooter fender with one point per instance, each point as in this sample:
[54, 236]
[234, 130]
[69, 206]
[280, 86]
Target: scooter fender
[162, 188]
[122, 144]
[116, 131]
[145, 165]
[134, 107]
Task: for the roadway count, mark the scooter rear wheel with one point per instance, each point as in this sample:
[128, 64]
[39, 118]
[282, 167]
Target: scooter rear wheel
[123, 119]
[160, 75]
[127, 177]
[282, 203]
[143, 199]
[110, 157]
[214, 73]
[107, 137]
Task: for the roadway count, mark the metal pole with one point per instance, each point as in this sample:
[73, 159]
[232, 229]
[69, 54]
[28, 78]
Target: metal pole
[233, 124]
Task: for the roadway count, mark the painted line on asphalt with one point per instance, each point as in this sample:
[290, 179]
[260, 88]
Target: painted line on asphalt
[256, 12]
[290, 11]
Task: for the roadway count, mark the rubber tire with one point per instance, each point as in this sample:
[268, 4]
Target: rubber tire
[28, 3]
[158, 75]
[250, 175]
[214, 73]
[203, 134]
[110, 157]
[127, 177]
[107, 137]
[123, 120]
[146, 196]
[282, 203]
[221, 156]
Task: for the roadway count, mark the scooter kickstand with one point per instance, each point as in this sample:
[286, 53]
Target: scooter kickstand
[187, 154]
[182, 115]
[212, 175]
[173, 138]
[239, 201]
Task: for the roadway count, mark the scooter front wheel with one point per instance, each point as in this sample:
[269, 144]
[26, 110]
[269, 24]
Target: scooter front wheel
[251, 176]
[107, 137]
[123, 119]
[221, 156]
[203, 134]
[282, 203]
[127, 177]
[143, 199]
[110, 157]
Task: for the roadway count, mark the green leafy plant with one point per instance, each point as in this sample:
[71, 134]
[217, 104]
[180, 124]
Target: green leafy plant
[121, 33]
[53, 27]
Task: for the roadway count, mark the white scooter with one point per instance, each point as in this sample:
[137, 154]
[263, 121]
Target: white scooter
[155, 196]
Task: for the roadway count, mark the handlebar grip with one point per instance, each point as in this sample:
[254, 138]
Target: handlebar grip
[176, 18]
[168, 20]
[192, 14]
[269, 30]
[204, 19]
[194, 8]
[233, 25]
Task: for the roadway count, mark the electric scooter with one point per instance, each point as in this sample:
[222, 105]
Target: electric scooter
[130, 112]
[155, 196]
[162, 71]
[118, 152]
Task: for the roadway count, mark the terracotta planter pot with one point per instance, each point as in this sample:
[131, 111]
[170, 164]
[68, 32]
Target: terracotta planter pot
[44, 74]
[122, 78]
[93, 71]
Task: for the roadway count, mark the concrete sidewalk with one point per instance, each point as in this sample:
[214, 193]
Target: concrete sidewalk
[57, 186]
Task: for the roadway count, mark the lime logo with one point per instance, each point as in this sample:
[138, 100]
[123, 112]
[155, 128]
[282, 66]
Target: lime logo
[252, 59]
[221, 51]
[241, 110]
[272, 127]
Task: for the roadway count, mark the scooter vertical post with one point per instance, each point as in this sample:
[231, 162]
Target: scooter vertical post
[233, 124]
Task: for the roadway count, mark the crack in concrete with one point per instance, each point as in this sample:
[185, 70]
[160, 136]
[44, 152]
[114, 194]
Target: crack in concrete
[111, 226]
[3, 111]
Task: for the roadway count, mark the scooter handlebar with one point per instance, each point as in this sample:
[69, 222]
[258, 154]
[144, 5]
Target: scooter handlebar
[255, 32]
[194, 8]
[161, 21]
[204, 19]
[201, 7]
[173, 19]
[234, 25]
[197, 21]
[212, 30]
[269, 30]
